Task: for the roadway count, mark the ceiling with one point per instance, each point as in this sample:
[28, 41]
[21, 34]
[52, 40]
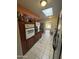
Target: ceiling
[35, 6]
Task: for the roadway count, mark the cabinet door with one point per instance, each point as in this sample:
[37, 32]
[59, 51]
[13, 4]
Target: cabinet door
[30, 42]
[22, 36]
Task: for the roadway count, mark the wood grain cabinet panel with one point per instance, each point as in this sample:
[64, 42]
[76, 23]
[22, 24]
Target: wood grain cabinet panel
[27, 43]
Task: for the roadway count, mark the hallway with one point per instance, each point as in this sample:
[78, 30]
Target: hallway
[42, 49]
[35, 26]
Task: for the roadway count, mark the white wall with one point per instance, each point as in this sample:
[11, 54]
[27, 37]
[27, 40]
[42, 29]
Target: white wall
[52, 21]
[19, 48]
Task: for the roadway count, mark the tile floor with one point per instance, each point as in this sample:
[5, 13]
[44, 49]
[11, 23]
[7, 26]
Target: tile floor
[42, 49]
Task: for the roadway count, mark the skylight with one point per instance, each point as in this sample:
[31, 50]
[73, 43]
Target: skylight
[48, 11]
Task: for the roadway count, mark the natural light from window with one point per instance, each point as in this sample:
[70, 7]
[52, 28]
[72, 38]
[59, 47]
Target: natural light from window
[48, 25]
[48, 11]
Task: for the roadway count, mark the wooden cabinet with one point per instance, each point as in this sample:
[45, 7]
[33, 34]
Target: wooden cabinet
[38, 36]
[22, 36]
[26, 17]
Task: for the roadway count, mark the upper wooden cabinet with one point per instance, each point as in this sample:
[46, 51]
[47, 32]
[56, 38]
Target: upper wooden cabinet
[27, 15]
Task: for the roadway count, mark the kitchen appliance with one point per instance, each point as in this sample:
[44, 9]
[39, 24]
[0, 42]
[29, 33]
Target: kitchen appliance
[30, 30]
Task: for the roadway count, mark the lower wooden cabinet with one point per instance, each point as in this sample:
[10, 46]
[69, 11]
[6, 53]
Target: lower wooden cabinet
[30, 42]
[27, 44]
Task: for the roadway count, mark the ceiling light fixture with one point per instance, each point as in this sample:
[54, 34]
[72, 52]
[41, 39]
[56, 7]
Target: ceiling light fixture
[43, 2]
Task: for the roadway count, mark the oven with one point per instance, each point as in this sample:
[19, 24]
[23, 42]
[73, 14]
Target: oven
[30, 30]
